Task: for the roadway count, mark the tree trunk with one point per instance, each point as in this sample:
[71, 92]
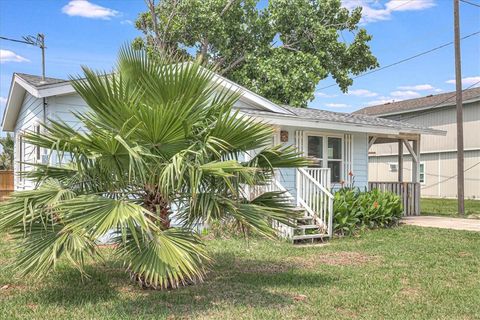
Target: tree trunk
[156, 203]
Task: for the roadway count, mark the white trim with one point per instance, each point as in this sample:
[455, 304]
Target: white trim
[325, 159]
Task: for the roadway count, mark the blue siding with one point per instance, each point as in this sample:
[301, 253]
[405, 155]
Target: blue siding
[360, 160]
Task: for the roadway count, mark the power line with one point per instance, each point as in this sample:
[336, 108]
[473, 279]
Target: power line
[404, 60]
[470, 3]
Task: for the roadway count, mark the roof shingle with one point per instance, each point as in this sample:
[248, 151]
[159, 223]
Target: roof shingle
[349, 118]
[431, 101]
[37, 81]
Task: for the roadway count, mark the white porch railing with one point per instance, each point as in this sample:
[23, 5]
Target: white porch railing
[283, 230]
[313, 194]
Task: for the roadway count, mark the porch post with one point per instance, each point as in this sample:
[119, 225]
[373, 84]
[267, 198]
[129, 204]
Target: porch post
[400, 160]
[416, 174]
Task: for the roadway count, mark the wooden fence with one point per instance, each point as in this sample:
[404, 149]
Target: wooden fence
[409, 193]
[6, 184]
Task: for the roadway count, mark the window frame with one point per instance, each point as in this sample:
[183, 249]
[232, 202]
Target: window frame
[420, 173]
[325, 159]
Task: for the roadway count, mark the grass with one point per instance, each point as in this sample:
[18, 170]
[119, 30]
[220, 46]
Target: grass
[448, 207]
[402, 273]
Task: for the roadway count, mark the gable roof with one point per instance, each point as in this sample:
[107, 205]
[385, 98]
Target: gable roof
[38, 88]
[363, 123]
[37, 81]
[423, 103]
[33, 84]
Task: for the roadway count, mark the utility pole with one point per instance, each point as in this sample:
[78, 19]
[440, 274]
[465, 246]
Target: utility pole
[41, 44]
[458, 81]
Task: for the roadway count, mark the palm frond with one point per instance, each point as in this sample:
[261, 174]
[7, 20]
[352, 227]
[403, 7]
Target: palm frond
[165, 259]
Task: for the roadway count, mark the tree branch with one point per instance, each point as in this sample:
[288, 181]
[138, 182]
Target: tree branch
[227, 6]
[233, 65]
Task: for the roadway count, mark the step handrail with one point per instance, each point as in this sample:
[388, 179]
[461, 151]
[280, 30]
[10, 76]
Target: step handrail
[316, 183]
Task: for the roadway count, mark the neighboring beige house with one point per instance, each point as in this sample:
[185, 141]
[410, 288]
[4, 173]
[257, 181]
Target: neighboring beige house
[438, 160]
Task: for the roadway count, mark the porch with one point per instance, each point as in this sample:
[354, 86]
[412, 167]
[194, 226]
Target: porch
[409, 192]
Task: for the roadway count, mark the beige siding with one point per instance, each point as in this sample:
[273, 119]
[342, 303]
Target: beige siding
[442, 119]
[440, 173]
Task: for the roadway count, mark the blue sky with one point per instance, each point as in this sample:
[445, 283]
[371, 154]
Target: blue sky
[90, 32]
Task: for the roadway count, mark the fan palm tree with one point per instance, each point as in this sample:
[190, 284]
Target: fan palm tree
[160, 142]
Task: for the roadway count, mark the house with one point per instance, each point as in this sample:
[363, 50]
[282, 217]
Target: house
[438, 164]
[337, 143]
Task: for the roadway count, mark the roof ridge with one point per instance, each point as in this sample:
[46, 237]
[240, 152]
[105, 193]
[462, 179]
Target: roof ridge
[425, 102]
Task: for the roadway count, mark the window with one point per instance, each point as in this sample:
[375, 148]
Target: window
[21, 153]
[393, 167]
[422, 173]
[326, 152]
[315, 150]
[335, 158]
[37, 148]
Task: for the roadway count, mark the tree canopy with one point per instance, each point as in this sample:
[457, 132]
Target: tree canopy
[6, 156]
[280, 51]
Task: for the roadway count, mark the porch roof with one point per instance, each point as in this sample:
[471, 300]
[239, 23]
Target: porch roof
[311, 118]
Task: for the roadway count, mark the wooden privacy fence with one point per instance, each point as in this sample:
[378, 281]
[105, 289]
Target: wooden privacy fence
[409, 193]
[6, 184]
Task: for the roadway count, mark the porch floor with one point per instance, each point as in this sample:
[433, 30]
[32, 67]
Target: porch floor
[443, 222]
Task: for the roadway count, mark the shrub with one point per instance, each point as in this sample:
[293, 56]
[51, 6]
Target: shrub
[355, 210]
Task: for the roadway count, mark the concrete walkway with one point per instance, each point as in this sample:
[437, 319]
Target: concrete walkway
[443, 222]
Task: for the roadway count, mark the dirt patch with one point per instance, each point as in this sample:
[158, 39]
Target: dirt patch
[335, 259]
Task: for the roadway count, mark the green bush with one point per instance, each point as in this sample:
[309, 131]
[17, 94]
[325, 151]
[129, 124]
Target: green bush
[354, 210]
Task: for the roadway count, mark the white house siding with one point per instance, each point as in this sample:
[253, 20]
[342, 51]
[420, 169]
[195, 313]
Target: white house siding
[30, 115]
[440, 173]
[437, 152]
[63, 108]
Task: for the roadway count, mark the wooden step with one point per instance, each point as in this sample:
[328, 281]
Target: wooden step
[304, 218]
[307, 226]
[309, 236]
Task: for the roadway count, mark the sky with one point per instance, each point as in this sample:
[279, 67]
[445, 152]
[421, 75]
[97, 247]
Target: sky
[81, 32]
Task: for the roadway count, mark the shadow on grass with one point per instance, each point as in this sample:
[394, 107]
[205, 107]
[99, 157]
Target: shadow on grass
[232, 281]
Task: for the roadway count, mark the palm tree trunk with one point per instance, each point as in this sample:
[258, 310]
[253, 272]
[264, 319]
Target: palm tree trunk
[155, 202]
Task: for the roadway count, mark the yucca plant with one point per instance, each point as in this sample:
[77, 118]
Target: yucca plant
[160, 140]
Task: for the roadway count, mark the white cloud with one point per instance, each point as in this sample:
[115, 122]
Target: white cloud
[380, 100]
[325, 95]
[129, 22]
[405, 94]
[362, 93]
[468, 81]
[3, 101]
[10, 56]
[337, 105]
[86, 9]
[373, 10]
[418, 87]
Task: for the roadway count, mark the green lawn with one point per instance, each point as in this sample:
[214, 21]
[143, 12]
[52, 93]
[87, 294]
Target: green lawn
[448, 207]
[400, 273]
